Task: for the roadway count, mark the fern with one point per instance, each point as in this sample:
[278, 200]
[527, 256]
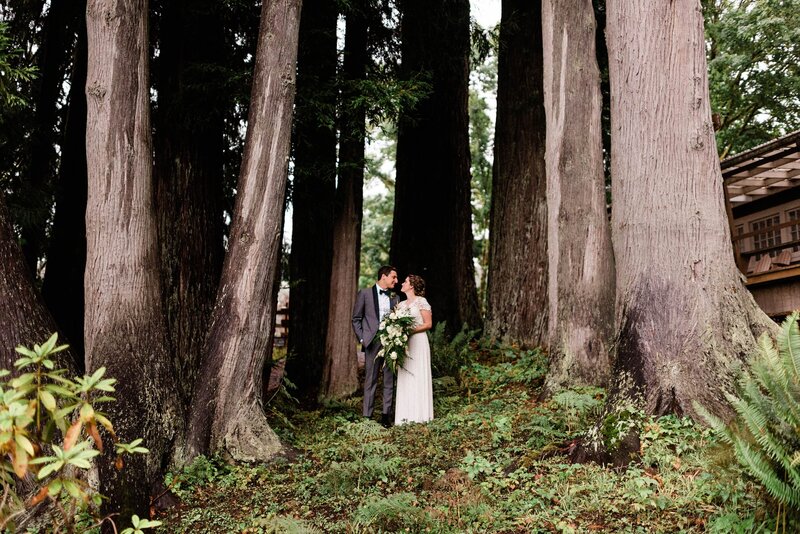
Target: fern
[765, 436]
[394, 513]
[449, 355]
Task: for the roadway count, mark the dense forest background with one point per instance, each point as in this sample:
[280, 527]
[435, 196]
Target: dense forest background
[167, 166]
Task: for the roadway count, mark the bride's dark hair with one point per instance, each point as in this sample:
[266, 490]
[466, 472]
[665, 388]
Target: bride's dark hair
[418, 284]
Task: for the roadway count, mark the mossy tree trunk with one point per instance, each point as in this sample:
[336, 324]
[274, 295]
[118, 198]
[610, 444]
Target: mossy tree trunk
[581, 263]
[124, 321]
[340, 373]
[227, 412]
[683, 315]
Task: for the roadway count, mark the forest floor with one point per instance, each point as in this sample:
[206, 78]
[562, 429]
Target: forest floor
[493, 460]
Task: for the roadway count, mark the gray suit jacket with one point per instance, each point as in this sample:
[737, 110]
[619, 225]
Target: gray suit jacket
[366, 314]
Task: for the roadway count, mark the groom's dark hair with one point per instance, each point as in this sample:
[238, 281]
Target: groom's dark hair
[385, 270]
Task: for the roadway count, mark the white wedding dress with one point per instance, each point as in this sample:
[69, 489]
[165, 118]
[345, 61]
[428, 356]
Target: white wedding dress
[414, 386]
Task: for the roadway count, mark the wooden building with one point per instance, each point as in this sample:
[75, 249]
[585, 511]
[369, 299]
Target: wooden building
[762, 194]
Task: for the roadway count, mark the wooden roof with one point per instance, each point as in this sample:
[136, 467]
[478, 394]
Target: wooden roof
[763, 171]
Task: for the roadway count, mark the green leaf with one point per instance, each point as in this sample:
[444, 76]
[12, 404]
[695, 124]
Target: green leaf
[50, 468]
[48, 401]
[25, 443]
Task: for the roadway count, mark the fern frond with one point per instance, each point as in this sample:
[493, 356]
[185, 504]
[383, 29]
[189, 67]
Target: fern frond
[789, 343]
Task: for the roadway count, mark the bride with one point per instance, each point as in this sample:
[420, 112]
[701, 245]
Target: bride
[414, 387]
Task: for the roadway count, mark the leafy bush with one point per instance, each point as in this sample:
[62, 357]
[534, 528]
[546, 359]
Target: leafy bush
[391, 514]
[449, 355]
[50, 428]
[766, 433]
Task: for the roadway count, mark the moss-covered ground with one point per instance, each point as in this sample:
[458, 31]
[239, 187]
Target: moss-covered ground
[493, 460]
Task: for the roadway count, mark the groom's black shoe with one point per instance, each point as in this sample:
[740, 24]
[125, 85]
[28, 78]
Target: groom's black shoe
[385, 422]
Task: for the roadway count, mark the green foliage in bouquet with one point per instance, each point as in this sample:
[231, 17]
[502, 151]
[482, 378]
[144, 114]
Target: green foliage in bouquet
[765, 435]
[393, 333]
[49, 433]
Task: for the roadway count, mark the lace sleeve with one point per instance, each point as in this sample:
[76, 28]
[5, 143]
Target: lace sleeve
[423, 304]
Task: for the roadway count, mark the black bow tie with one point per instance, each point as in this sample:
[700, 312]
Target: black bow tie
[384, 292]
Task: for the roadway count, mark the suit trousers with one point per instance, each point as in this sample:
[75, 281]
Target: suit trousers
[373, 368]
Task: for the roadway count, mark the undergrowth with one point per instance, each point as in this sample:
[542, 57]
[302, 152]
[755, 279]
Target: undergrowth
[493, 460]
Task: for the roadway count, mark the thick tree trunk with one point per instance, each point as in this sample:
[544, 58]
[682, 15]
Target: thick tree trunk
[24, 320]
[432, 232]
[56, 45]
[683, 316]
[125, 324]
[581, 263]
[188, 177]
[313, 192]
[517, 287]
[62, 288]
[227, 411]
[340, 373]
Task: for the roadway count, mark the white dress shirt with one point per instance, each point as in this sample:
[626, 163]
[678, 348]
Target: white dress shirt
[384, 304]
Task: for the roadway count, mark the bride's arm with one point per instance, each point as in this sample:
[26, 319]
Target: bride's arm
[427, 322]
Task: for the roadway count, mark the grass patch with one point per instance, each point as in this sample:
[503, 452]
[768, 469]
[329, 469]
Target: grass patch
[492, 461]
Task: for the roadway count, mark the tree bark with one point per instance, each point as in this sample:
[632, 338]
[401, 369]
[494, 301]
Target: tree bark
[313, 192]
[62, 288]
[24, 320]
[227, 411]
[340, 373]
[56, 45]
[581, 263]
[124, 321]
[188, 177]
[683, 316]
[517, 310]
[432, 232]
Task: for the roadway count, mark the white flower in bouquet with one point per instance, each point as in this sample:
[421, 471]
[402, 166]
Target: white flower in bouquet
[393, 356]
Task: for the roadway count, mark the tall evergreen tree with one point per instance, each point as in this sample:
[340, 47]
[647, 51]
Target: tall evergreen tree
[227, 408]
[52, 59]
[432, 233]
[340, 373]
[189, 127]
[517, 309]
[581, 263]
[683, 316]
[125, 327]
[313, 192]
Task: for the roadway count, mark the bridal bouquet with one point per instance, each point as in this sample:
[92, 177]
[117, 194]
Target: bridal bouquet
[393, 334]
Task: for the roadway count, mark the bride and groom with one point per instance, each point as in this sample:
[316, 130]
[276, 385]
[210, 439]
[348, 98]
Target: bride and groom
[414, 386]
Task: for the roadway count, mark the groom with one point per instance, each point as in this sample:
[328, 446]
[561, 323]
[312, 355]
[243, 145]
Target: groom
[372, 304]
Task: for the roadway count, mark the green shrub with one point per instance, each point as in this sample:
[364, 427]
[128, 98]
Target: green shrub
[449, 355]
[765, 435]
[50, 428]
[398, 512]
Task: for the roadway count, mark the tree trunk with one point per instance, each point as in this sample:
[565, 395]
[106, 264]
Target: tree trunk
[188, 177]
[24, 320]
[62, 288]
[432, 232]
[55, 47]
[581, 263]
[313, 192]
[683, 316]
[517, 310]
[125, 324]
[340, 373]
[227, 411]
